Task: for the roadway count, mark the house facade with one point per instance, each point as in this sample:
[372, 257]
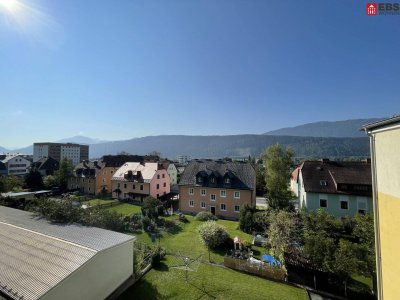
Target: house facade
[385, 143]
[171, 170]
[15, 164]
[341, 188]
[45, 166]
[135, 181]
[218, 187]
[84, 177]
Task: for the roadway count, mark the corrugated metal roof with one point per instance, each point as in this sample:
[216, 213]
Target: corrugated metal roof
[91, 237]
[32, 263]
[35, 255]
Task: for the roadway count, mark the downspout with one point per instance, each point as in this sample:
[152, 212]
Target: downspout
[376, 218]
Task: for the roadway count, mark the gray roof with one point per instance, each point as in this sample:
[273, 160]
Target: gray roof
[36, 255]
[242, 174]
[91, 237]
[379, 124]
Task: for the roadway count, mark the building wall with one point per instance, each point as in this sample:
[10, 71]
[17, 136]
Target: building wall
[126, 187]
[246, 197]
[99, 277]
[387, 220]
[333, 203]
[160, 186]
[85, 185]
[173, 173]
[40, 151]
[71, 152]
[103, 179]
[18, 166]
[75, 152]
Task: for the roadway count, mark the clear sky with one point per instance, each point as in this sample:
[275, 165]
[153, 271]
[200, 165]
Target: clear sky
[118, 69]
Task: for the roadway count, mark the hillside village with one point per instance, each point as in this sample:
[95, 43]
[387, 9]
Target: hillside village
[144, 218]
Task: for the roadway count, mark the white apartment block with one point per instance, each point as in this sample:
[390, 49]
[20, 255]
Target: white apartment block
[16, 164]
[75, 152]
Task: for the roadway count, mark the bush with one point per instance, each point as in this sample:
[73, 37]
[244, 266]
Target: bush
[183, 218]
[212, 234]
[205, 216]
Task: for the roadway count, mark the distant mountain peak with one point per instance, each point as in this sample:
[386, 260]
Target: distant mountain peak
[346, 128]
[80, 139]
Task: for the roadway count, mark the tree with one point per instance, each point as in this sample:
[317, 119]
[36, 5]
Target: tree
[50, 181]
[10, 183]
[278, 165]
[346, 262]
[64, 171]
[152, 207]
[212, 235]
[246, 218]
[281, 233]
[33, 180]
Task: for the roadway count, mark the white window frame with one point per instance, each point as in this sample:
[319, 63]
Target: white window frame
[234, 195]
[211, 197]
[203, 192]
[237, 211]
[344, 199]
[320, 203]
[220, 207]
[220, 193]
[191, 203]
[191, 191]
[203, 204]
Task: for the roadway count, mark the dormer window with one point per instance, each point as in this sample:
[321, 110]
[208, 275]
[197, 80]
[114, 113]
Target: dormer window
[199, 179]
[212, 180]
[227, 181]
[323, 183]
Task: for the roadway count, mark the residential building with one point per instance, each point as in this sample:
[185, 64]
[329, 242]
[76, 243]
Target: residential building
[341, 188]
[94, 177]
[75, 152]
[40, 260]
[3, 169]
[183, 159]
[45, 166]
[385, 144]
[135, 180]
[294, 187]
[15, 164]
[171, 170]
[218, 187]
[84, 177]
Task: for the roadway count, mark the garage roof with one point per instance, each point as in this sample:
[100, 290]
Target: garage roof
[35, 255]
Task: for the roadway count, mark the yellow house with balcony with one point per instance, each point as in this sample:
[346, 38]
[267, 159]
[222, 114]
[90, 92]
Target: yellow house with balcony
[385, 155]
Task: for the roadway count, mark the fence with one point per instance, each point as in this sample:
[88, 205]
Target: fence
[260, 269]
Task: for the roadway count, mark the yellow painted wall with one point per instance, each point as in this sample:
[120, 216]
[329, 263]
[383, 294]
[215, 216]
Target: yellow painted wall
[387, 166]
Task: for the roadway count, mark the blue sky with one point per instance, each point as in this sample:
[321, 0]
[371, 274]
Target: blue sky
[129, 68]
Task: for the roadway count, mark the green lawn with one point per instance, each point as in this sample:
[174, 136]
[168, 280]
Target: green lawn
[95, 202]
[125, 209]
[209, 282]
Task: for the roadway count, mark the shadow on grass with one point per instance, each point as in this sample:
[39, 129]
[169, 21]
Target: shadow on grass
[141, 290]
[206, 291]
[162, 266]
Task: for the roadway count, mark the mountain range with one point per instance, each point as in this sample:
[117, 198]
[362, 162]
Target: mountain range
[347, 128]
[313, 140]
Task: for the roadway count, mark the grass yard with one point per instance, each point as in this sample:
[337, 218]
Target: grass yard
[125, 209]
[95, 202]
[209, 282]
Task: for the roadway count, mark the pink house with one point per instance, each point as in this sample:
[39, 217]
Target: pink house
[135, 181]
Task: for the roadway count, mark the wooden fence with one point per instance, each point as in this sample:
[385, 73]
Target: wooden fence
[260, 269]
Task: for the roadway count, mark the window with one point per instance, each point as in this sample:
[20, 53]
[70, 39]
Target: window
[323, 203]
[237, 195]
[212, 197]
[164, 184]
[124, 185]
[199, 179]
[202, 192]
[323, 182]
[191, 191]
[133, 186]
[158, 186]
[227, 180]
[223, 206]
[237, 208]
[191, 203]
[158, 176]
[223, 193]
[344, 204]
[203, 204]
[362, 205]
[212, 180]
[163, 175]
[119, 185]
[141, 187]
[104, 180]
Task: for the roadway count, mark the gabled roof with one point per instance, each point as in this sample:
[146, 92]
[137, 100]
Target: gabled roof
[35, 255]
[117, 161]
[88, 168]
[147, 171]
[242, 174]
[325, 177]
[295, 174]
[46, 163]
[383, 123]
